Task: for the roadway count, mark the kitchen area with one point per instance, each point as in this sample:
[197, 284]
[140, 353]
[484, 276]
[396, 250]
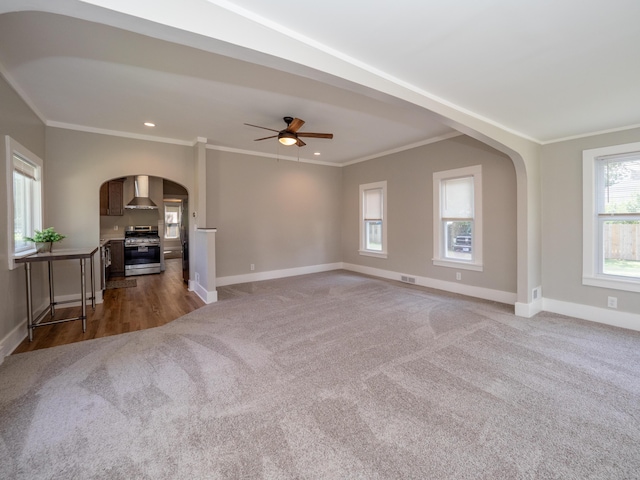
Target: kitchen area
[144, 268]
[142, 226]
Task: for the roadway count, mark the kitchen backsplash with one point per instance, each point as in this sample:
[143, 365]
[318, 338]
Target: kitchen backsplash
[130, 217]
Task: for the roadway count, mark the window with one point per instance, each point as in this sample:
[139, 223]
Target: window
[611, 217]
[457, 218]
[373, 212]
[24, 198]
[172, 213]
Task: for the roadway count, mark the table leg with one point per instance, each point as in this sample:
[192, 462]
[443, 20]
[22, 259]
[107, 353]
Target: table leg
[83, 295]
[27, 269]
[93, 285]
[52, 306]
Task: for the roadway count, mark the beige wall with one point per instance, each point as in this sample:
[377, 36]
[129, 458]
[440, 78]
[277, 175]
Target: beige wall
[21, 124]
[409, 177]
[275, 214]
[562, 223]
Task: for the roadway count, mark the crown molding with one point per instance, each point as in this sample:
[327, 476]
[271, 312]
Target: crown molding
[117, 133]
[272, 155]
[439, 138]
[591, 134]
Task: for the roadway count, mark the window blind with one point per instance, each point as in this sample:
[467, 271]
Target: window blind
[457, 198]
[373, 204]
[24, 167]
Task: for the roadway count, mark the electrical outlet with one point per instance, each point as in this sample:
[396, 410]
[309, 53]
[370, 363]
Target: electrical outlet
[115, 227]
[197, 277]
[458, 276]
[253, 267]
[612, 302]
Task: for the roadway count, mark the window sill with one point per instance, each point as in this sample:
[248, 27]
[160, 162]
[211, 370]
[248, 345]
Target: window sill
[613, 283]
[24, 253]
[368, 253]
[460, 265]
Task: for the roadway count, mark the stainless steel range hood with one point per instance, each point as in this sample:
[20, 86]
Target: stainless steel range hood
[141, 198]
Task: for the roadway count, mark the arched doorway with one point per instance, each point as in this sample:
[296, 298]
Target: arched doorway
[155, 207]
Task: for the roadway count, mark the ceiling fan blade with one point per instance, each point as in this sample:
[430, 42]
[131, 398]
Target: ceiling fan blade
[295, 125]
[265, 138]
[265, 128]
[315, 135]
[300, 143]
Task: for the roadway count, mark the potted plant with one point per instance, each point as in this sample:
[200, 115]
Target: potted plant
[44, 239]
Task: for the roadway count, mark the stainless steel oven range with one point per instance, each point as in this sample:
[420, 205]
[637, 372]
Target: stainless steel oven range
[141, 250]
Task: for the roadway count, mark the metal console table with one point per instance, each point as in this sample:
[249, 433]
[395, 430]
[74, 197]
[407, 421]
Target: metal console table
[81, 254]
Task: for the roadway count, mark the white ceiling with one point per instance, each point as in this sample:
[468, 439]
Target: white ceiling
[545, 70]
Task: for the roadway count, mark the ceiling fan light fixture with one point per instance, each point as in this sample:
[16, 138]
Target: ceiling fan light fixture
[287, 138]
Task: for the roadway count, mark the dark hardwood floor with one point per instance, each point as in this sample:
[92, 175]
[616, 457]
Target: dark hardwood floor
[156, 300]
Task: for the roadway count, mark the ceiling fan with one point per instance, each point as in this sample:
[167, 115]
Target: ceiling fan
[290, 135]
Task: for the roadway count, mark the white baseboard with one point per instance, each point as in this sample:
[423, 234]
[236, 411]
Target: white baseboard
[15, 337]
[607, 316]
[453, 287]
[207, 296]
[272, 274]
[528, 310]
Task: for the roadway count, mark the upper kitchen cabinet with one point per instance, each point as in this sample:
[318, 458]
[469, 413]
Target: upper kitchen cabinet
[112, 197]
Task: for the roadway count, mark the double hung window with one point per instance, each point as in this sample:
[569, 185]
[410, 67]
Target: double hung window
[373, 228]
[24, 198]
[457, 214]
[611, 217]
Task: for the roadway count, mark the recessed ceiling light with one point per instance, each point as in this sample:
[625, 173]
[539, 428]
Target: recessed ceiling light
[149, 124]
[317, 154]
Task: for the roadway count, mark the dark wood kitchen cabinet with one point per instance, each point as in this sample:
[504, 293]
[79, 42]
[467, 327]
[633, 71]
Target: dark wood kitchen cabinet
[112, 197]
[117, 258]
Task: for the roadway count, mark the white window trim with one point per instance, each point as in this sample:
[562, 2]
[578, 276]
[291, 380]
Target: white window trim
[590, 260]
[363, 251]
[11, 147]
[438, 241]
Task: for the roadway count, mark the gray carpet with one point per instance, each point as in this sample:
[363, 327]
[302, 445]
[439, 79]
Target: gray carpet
[330, 376]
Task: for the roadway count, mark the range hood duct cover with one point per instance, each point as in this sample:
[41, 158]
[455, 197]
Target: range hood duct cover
[141, 198]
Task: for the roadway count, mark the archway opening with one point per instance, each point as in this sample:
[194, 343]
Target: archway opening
[143, 223]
